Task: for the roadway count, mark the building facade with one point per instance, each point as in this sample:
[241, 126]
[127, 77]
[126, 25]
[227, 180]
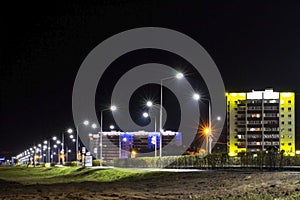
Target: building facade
[260, 120]
[131, 144]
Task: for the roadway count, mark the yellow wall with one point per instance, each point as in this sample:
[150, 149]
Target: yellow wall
[231, 98]
[287, 131]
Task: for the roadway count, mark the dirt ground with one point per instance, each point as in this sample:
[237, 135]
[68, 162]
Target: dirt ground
[192, 185]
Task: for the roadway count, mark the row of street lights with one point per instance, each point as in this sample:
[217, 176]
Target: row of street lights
[197, 97]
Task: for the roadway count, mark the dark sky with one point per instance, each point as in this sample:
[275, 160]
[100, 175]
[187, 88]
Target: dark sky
[254, 44]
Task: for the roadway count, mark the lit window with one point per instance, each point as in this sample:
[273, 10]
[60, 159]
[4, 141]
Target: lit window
[290, 136]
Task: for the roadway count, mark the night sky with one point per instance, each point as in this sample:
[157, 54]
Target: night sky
[255, 45]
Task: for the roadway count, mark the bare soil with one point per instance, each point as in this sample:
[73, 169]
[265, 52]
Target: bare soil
[191, 185]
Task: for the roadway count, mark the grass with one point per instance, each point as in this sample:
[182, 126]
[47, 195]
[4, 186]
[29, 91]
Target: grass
[39, 175]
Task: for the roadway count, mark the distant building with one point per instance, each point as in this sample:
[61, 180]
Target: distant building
[125, 144]
[259, 120]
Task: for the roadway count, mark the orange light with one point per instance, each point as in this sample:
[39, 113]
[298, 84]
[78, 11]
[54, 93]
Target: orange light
[133, 152]
[206, 131]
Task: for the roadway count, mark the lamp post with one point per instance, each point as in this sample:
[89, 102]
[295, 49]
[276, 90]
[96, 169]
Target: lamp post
[52, 151]
[112, 108]
[41, 153]
[69, 131]
[207, 131]
[47, 145]
[74, 141]
[178, 76]
[86, 123]
[146, 115]
[56, 146]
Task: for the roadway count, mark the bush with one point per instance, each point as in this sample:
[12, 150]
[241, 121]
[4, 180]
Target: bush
[257, 160]
[71, 164]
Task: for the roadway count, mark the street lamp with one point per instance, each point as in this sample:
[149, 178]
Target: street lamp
[41, 152]
[112, 127]
[177, 76]
[69, 131]
[208, 130]
[149, 104]
[86, 123]
[146, 115]
[112, 108]
[94, 126]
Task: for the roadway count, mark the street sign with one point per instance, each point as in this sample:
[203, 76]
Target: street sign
[88, 161]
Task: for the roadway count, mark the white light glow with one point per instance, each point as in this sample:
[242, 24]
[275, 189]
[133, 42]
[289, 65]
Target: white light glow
[149, 103]
[113, 108]
[94, 126]
[145, 114]
[70, 130]
[179, 75]
[196, 96]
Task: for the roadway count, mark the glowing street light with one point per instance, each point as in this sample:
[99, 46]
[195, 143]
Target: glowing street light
[70, 130]
[196, 97]
[94, 126]
[207, 131]
[112, 108]
[112, 127]
[177, 76]
[145, 114]
[149, 104]
[86, 123]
